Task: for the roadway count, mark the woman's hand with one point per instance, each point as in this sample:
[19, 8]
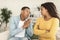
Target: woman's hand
[42, 29]
[39, 28]
[47, 30]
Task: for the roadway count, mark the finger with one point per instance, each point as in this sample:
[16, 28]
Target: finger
[28, 19]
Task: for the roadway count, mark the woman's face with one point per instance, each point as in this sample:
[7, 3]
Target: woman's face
[43, 11]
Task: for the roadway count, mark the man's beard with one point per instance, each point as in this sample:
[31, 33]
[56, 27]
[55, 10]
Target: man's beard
[25, 18]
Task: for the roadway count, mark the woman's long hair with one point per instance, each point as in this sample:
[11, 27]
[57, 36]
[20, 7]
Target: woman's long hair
[51, 9]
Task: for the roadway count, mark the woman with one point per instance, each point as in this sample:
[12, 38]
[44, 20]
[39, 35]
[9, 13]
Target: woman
[46, 26]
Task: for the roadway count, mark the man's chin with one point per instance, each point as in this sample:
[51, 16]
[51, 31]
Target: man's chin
[25, 18]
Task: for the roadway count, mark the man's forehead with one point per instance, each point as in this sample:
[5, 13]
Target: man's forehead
[27, 9]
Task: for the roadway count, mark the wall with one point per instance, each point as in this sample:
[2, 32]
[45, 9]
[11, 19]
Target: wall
[15, 5]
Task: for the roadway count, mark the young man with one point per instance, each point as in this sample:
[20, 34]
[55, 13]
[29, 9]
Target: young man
[21, 26]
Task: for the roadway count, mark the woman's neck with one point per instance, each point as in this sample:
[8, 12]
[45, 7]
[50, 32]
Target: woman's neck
[47, 18]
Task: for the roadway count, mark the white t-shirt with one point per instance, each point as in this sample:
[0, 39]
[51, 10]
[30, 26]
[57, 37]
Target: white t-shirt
[22, 33]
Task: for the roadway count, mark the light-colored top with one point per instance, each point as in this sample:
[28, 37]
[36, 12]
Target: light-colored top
[22, 33]
[13, 28]
[41, 27]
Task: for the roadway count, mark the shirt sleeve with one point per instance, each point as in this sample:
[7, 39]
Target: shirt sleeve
[12, 27]
[53, 30]
[36, 30]
[30, 30]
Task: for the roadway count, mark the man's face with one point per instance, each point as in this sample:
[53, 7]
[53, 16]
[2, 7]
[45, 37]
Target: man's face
[25, 13]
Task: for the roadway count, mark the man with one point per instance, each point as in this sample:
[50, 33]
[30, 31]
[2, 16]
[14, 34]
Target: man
[19, 23]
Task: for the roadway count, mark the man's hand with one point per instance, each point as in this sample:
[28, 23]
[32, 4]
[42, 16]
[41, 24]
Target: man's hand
[27, 23]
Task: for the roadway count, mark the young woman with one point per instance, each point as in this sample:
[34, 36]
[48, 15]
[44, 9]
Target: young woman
[46, 26]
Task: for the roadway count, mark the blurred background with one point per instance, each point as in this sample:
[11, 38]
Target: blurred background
[10, 8]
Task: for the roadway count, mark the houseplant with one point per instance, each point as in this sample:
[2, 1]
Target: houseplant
[5, 15]
[4, 18]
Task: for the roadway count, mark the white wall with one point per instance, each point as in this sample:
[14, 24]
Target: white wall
[15, 5]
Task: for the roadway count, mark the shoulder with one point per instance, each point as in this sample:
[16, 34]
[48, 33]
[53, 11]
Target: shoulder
[14, 17]
[55, 19]
[40, 18]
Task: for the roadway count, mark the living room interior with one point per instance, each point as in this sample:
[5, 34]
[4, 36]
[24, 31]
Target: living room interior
[14, 8]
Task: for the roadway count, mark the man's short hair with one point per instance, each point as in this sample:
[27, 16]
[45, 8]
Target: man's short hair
[23, 8]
